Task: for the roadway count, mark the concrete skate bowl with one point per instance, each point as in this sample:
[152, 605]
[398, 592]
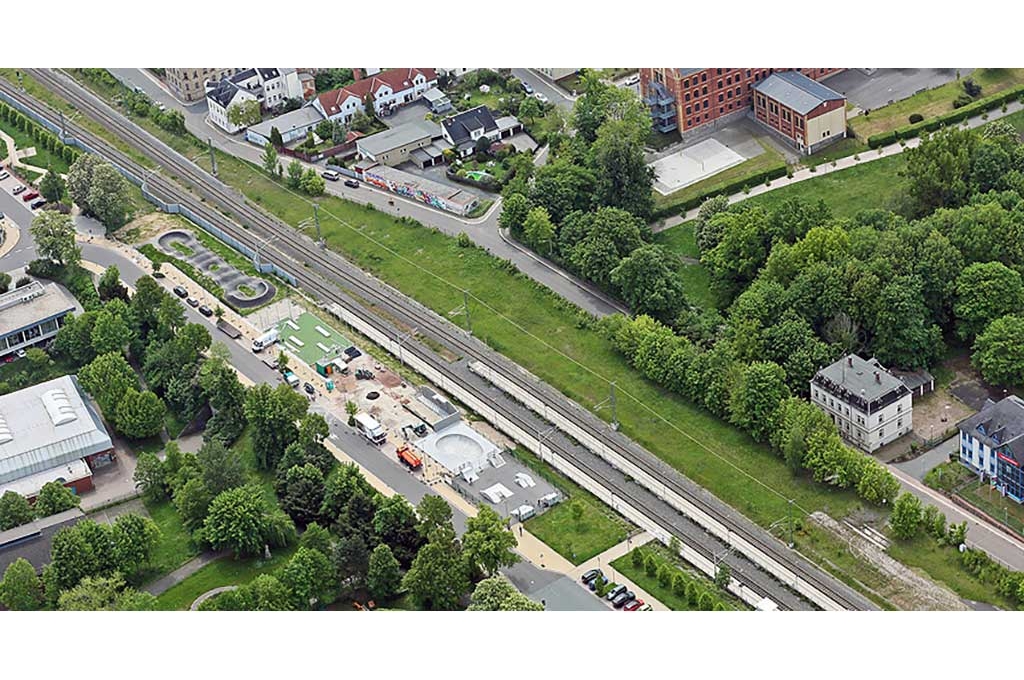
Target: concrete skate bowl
[241, 291]
[459, 445]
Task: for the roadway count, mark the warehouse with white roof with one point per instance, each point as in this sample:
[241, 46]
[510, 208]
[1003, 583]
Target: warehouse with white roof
[50, 432]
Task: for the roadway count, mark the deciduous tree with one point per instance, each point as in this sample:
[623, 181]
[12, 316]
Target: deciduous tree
[237, 520]
[244, 114]
[649, 283]
[496, 594]
[140, 414]
[222, 467]
[310, 579]
[999, 351]
[15, 510]
[108, 378]
[21, 589]
[905, 520]
[54, 234]
[109, 197]
[52, 186]
[437, 579]
[301, 491]
[54, 497]
[986, 291]
[488, 544]
[757, 397]
[149, 475]
[384, 577]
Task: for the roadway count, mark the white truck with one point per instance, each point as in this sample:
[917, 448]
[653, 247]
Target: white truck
[264, 341]
[373, 431]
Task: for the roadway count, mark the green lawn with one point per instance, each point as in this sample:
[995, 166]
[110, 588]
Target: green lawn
[697, 285]
[768, 160]
[841, 149]
[42, 159]
[223, 572]
[933, 102]
[175, 546]
[993, 503]
[680, 239]
[599, 527]
[624, 565]
[943, 564]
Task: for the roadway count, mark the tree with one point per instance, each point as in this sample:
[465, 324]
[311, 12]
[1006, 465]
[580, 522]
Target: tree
[488, 544]
[986, 291]
[109, 197]
[877, 485]
[530, 109]
[149, 475]
[140, 414]
[5, 282]
[723, 576]
[325, 129]
[302, 493]
[351, 559]
[496, 594]
[903, 336]
[434, 513]
[20, 589]
[244, 114]
[15, 510]
[111, 331]
[514, 211]
[905, 520]
[437, 579]
[312, 183]
[562, 187]
[222, 467]
[310, 578]
[797, 423]
[275, 138]
[72, 558]
[649, 283]
[316, 537]
[538, 231]
[999, 351]
[54, 497]
[80, 179]
[624, 180]
[105, 593]
[107, 378]
[294, 174]
[384, 576]
[395, 523]
[135, 538]
[757, 397]
[237, 520]
[273, 412]
[110, 286]
[939, 170]
[192, 501]
[52, 186]
[269, 159]
[602, 102]
[54, 234]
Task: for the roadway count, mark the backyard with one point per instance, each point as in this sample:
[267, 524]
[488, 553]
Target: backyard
[933, 102]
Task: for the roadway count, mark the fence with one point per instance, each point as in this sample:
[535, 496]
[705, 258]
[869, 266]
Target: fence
[171, 208]
[339, 150]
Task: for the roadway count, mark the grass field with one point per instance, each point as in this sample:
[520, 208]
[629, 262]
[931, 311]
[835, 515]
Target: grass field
[223, 572]
[307, 333]
[768, 160]
[943, 564]
[42, 158]
[175, 546]
[933, 102]
[598, 529]
[841, 149]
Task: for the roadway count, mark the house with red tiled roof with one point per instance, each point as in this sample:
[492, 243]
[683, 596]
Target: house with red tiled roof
[387, 90]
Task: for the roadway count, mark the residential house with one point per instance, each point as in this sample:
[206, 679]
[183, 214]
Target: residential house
[805, 113]
[400, 144]
[992, 444]
[463, 130]
[271, 87]
[869, 405]
[386, 90]
[292, 125]
[189, 84]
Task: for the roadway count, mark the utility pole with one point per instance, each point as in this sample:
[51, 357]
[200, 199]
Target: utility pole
[789, 515]
[465, 307]
[316, 219]
[213, 158]
[615, 417]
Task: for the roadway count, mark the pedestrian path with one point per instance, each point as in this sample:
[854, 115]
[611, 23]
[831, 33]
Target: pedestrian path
[164, 584]
[604, 563]
[840, 164]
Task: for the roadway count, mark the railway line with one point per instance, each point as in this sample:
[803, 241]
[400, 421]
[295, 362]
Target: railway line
[314, 269]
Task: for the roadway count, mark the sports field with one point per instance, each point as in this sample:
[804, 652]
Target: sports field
[310, 339]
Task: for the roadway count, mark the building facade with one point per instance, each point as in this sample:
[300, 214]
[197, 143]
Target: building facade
[385, 90]
[870, 406]
[271, 87]
[395, 146]
[992, 444]
[32, 314]
[189, 84]
[689, 99]
[805, 113]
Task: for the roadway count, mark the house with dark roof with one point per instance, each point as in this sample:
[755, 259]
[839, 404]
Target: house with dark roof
[992, 444]
[386, 91]
[805, 113]
[869, 405]
[463, 130]
[271, 87]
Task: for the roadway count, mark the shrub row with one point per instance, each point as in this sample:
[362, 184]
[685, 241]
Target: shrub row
[726, 189]
[76, 279]
[43, 137]
[156, 255]
[950, 118]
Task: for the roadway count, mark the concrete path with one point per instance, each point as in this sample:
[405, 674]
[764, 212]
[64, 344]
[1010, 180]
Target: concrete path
[841, 164]
[604, 563]
[208, 594]
[160, 586]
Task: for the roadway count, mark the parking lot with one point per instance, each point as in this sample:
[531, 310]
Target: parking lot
[723, 149]
[872, 88]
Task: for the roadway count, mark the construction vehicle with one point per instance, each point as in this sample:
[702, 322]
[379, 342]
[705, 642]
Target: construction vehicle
[417, 430]
[408, 458]
[363, 374]
[291, 378]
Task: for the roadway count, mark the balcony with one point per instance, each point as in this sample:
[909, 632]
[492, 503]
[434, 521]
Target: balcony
[667, 125]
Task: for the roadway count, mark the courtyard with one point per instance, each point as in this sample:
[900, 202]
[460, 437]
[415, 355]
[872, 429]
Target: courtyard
[724, 149]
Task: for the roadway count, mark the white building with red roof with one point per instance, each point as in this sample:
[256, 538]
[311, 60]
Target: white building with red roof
[387, 90]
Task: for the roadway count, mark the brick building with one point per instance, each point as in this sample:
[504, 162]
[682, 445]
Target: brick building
[805, 113]
[689, 99]
[189, 84]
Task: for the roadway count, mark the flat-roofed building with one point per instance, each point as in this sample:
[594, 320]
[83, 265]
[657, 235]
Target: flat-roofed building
[394, 147]
[32, 314]
[32, 541]
[50, 432]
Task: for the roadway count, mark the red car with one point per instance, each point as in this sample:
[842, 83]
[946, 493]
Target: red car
[29, 195]
[633, 606]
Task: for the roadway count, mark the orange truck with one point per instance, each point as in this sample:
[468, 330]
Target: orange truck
[408, 458]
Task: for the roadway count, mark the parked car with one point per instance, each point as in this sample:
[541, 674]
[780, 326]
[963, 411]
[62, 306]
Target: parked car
[632, 606]
[615, 592]
[309, 388]
[591, 575]
[30, 195]
[1, 217]
[541, 97]
[37, 204]
[20, 353]
[599, 581]
[527, 88]
[331, 175]
[192, 302]
[180, 292]
[205, 311]
[18, 189]
[632, 80]
[622, 599]
[352, 353]
[4, 174]
[353, 183]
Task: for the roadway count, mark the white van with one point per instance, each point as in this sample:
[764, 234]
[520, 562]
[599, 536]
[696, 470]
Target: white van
[373, 431]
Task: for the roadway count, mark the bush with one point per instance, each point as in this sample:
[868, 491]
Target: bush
[743, 184]
[665, 575]
[916, 118]
[651, 565]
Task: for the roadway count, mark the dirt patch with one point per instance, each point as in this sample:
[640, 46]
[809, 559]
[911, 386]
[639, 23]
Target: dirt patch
[904, 588]
[144, 229]
[938, 412]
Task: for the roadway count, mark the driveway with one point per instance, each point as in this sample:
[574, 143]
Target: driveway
[437, 174]
[888, 85]
[409, 113]
[920, 466]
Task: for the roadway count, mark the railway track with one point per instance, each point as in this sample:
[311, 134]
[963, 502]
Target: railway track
[313, 269]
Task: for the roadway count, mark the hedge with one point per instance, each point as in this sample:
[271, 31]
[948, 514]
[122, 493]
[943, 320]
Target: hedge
[951, 118]
[727, 189]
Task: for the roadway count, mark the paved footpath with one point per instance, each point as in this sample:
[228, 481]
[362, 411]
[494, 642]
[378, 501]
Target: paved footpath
[160, 586]
[840, 164]
[604, 563]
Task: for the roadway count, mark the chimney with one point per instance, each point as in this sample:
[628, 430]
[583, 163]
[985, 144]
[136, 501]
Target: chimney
[357, 73]
[849, 360]
[878, 377]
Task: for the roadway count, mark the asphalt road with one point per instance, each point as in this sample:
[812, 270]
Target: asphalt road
[483, 231]
[889, 84]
